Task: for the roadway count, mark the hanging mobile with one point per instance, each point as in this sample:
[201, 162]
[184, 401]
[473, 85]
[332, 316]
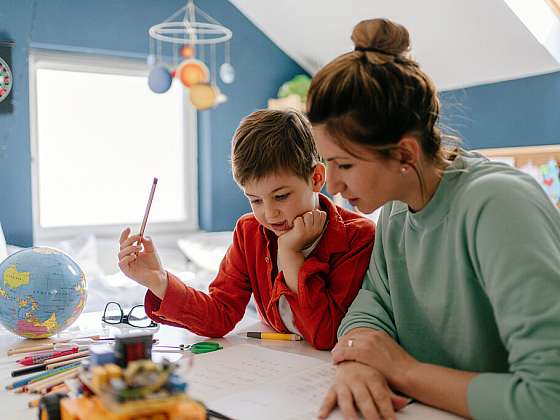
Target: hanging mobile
[227, 72]
[193, 35]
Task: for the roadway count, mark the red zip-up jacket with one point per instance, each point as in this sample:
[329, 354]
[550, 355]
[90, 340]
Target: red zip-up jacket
[328, 281]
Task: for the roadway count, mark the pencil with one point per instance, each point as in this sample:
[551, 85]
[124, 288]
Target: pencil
[49, 346]
[25, 381]
[44, 366]
[53, 372]
[56, 365]
[38, 383]
[145, 220]
[68, 357]
[58, 379]
[30, 348]
[28, 370]
[273, 336]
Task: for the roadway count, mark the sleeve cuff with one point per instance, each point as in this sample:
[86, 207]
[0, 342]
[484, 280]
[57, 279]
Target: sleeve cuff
[483, 395]
[172, 304]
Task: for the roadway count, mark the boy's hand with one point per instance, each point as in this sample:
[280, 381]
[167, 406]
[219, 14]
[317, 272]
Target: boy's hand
[141, 263]
[306, 228]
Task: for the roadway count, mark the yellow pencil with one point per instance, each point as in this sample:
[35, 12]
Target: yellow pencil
[274, 336]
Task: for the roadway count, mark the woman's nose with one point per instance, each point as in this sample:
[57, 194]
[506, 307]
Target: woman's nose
[334, 186]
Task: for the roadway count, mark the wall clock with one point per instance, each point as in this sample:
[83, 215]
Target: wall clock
[6, 79]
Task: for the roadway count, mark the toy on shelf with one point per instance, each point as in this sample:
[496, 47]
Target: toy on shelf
[292, 94]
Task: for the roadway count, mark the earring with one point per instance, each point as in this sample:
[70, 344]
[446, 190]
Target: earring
[403, 170]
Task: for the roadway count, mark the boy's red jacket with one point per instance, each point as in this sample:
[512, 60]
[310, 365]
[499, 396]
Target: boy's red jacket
[328, 282]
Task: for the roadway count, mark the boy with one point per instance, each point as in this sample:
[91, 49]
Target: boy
[302, 257]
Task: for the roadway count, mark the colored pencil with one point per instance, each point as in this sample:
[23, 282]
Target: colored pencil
[58, 379]
[25, 381]
[66, 362]
[67, 357]
[145, 220]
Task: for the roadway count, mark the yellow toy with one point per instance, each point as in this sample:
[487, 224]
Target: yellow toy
[143, 390]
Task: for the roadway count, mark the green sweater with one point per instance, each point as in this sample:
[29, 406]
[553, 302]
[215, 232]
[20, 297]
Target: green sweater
[472, 282]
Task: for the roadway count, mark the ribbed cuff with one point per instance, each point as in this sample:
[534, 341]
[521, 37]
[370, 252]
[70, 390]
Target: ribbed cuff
[485, 396]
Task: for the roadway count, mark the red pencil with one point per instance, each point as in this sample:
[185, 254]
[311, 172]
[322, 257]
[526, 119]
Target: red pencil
[36, 359]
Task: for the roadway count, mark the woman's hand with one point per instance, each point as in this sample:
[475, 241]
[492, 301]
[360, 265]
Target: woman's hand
[362, 387]
[141, 263]
[377, 350]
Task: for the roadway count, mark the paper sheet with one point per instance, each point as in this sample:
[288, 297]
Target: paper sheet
[214, 375]
[252, 382]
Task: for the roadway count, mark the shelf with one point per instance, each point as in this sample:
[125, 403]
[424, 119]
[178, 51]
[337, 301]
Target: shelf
[521, 156]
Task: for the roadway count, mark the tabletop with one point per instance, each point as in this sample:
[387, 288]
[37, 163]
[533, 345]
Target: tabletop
[90, 323]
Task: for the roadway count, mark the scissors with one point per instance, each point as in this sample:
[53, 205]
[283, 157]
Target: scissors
[198, 348]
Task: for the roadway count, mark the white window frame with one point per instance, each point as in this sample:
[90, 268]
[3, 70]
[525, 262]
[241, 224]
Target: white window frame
[55, 60]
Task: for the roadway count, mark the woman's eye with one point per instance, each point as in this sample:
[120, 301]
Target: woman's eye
[345, 166]
[282, 197]
[255, 201]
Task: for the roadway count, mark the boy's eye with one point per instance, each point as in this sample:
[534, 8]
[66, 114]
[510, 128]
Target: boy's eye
[345, 166]
[282, 196]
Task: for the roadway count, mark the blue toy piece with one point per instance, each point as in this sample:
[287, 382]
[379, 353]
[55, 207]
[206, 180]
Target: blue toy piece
[101, 355]
[159, 79]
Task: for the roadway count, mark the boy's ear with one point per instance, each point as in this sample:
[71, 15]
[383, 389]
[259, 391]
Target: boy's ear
[318, 177]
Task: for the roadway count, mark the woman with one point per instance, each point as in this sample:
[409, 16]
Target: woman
[460, 308]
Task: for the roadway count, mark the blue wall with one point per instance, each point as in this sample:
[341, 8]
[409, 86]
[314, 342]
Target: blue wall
[119, 27]
[519, 112]
[515, 113]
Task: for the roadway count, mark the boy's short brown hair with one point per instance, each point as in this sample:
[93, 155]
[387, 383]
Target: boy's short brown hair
[273, 141]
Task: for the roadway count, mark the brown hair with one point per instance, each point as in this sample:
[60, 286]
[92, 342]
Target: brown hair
[272, 141]
[376, 94]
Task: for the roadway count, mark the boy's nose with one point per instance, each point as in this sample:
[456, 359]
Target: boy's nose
[270, 212]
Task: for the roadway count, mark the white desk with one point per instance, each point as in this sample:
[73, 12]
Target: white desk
[14, 406]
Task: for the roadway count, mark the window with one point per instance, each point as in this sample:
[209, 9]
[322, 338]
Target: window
[99, 136]
[539, 18]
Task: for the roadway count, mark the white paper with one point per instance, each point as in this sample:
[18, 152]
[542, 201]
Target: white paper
[252, 382]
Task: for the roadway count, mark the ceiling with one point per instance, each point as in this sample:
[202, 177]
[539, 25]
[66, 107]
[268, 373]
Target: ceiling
[458, 43]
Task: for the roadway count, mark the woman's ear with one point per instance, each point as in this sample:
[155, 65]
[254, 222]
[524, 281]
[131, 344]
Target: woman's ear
[318, 177]
[408, 150]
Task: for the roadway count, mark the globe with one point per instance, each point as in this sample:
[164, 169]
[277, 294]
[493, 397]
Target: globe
[42, 292]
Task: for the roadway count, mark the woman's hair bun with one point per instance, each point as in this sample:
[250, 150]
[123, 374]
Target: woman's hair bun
[381, 35]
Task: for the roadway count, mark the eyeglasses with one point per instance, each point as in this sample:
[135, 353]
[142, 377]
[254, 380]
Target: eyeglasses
[113, 314]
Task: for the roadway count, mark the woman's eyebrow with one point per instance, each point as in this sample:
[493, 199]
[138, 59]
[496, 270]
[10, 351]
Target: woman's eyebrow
[335, 158]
